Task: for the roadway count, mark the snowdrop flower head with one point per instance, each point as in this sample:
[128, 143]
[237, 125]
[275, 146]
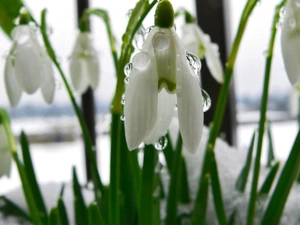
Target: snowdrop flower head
[290, 41]
[5, 156]
[160, 78]
[84, 65]
[199, 43]
[27, 67]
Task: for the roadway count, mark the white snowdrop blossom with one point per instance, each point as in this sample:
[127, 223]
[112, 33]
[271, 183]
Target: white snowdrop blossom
[199, 43]
[27, 67]
[290, 41]
[160, 78]
[5, 156]
[84, 65]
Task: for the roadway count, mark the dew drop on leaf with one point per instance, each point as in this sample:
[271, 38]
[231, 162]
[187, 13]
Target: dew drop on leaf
[161, 144]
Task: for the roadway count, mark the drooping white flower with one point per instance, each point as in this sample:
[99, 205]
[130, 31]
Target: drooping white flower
[84, 65]
[160, 77]
[290, 41]
[199, 43]
[27, 67]
[5, 155]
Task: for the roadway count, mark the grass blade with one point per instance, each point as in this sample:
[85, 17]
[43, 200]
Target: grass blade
[271, 156]
[62, 212]
[54, 217]
[284, 185]
[94, 215]
[14, 209]
[32, 178]
[266, 187]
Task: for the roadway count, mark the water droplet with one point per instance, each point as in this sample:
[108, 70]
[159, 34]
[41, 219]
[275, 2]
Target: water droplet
[194, 62]
[174, 26]
[139, 37]
[206, 100]
[292, 23]
[160, 42]
[128, 14]
[126, 80]
[141, 60]
[161, 144]
[282, 12]
[279, 24]
[127, 69]
[123, 100]
[122, 117]
[147, 31]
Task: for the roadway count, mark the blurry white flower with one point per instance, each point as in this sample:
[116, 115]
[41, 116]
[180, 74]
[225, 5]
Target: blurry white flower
[5, 155]
[290, 41]
[160, 78]
[84, 65]
[199, 43]
[27, 67]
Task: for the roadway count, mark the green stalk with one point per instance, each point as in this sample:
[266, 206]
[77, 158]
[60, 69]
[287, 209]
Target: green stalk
[173, 193]
[104, 15]
[223, 97]
[147, 186]
[87, 138]
[263, 110]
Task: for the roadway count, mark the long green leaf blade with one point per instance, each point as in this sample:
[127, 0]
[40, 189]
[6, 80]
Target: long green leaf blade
[94, 215]
[266, 187]
[62, 212]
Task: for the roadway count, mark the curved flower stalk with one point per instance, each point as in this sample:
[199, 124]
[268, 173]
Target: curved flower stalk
[290, 42]
[27, 67]
[160, 77]
[84, 65]
[5, 156]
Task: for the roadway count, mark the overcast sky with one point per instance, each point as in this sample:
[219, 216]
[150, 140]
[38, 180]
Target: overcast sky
[62, 18]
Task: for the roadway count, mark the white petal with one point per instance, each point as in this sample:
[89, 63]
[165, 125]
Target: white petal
[189, 101]
[141, 96]
[190, 39]
[166, 107]
[5, 156]
[79, 74]
[13, 89]
[48, 86]
[28, 66]
[93, 71]
[290, 45]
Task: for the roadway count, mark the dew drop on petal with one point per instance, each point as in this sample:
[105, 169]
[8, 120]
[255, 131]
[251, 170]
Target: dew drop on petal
[292, 23]
[123, 100]
[127, 69]
[161, 144]
[126, 80]
[194, 62]
[160, 42]
[206, 100]
[141, 61]
[147, 31]
[282, 12]
[122, 117]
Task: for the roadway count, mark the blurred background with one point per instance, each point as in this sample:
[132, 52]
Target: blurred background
[54, 131]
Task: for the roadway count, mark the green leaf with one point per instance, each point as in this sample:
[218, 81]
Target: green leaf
[32, 178]
[81, 216]
[266, 187]
[241, 182]
[9, 11]
[271, 156]
[284, 185]
[94, 215]
[62, 212]
[54, 217]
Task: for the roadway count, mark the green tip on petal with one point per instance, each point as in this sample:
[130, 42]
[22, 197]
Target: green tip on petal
[164, 14]
[25, 17]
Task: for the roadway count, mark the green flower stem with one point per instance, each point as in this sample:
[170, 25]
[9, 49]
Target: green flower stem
[262, 122]
[173, 193]
[138, 14]
[114, 191]
[104, 15]
[223, 96]
[147, 186]
[95, 174]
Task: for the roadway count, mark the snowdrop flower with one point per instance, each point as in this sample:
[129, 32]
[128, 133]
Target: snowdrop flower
[5, 156]
[199, 43]
[27, 67]
[160, 78]
[290, 41]
[84, 65]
